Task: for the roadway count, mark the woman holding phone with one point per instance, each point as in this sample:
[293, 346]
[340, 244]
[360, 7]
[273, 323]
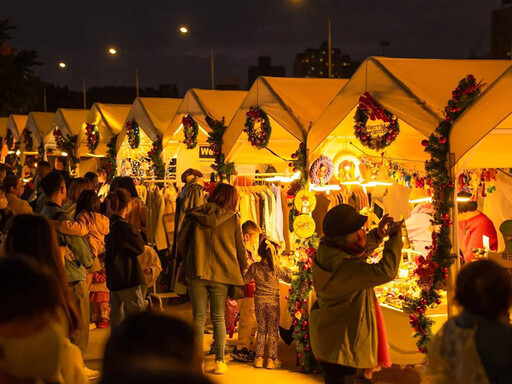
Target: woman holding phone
[346, 327]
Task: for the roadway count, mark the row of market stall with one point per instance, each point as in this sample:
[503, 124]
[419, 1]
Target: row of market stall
[360, 140]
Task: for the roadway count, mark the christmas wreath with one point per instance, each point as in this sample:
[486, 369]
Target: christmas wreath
[257, 127]
[321, 170]
[27, 139]
[133, 132]
[190, 131]
[67, 144]
[433, 269]
[378, 136]
[224, 170]
[155, 154]
[112, 158]
[93, 136]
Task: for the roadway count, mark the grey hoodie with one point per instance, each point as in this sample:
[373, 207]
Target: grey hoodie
[211, 244]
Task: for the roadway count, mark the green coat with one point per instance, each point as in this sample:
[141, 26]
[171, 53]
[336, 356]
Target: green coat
[212, 246]
[343, 327]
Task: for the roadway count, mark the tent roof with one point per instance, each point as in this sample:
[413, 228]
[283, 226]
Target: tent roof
[482, 136]
[200, 103]
[4, 121]
[293, 104]
[69, 121]
[40, 124]
[152, 114]
[16, 124]
[416, 90]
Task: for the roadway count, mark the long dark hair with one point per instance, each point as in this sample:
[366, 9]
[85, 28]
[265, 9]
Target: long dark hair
[225, 196]
[125, 182]
[33, 236]
[88, 202]
[118, 199]
[265, 252]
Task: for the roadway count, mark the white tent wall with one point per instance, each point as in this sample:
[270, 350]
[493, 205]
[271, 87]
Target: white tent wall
[292, 105]
[482, 135]
[40, 124]
[498, 205]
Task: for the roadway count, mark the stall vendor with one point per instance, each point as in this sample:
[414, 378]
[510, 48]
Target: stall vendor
[473, 225]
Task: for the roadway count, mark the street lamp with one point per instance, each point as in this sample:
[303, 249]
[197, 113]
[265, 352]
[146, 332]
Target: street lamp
[329, 32]
[184, 31]
[113, 52]
[62, 66]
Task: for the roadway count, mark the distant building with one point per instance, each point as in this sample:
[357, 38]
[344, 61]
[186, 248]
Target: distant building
[314, 62]
[228, 83]
[265, 68]
[501, 32]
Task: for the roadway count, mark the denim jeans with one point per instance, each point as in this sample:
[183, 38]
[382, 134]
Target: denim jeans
[125, 303]
[199, 291]
[81, 296]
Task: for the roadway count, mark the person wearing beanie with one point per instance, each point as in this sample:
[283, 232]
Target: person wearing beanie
[346, 327]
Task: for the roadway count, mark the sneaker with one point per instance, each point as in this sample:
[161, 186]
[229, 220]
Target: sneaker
[91, 373]
[242, 355]
[220, 368]
[258, 362]
[273, 364]
[103, 323]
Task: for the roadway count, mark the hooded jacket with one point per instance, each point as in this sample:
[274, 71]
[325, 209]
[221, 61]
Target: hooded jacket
[343, 327]
[212, 247]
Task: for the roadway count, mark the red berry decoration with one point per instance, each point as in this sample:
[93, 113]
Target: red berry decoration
[424, 142]
[443, 140]
[419, 310]
[445, 216]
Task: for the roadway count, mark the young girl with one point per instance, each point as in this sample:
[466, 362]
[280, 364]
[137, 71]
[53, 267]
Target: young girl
[124, 274]
[266, 275]
[89, 223]
[99, 297]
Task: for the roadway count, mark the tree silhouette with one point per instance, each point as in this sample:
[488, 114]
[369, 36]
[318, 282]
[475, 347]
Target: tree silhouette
[20, 88]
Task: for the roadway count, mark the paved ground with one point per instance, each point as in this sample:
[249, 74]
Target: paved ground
[239, 372]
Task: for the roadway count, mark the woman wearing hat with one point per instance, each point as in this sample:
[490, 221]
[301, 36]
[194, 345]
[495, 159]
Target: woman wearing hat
[344, 320]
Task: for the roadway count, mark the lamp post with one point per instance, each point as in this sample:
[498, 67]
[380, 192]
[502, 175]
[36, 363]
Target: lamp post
[112, 51]
[64, 66]
[329, 34]
[184, 30]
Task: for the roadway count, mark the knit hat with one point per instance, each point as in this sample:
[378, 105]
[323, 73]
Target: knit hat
[190, 172]
[342, 220]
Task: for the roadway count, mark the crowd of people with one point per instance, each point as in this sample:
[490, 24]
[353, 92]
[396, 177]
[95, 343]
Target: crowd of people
[70, 260]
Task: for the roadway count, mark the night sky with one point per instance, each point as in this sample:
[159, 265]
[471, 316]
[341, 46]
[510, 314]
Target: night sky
[145, 33]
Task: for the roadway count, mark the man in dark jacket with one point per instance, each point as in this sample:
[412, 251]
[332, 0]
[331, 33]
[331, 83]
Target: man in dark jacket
[78, 256]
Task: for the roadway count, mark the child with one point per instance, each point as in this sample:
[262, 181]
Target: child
[89, 222]
[244, 350]
[266, 301]
[100, 297]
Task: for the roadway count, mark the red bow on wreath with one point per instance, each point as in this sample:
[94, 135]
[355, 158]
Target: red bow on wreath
[367, 102]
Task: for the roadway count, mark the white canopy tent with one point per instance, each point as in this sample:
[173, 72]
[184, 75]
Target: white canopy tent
[199, 104]
[69, 121]
[15, 125]
[152, 114]
[292, 105]
[415, 90]
[40, 124]
[482, 136]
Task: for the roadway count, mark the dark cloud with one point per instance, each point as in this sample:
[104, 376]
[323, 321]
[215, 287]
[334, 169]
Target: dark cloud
[145, 32]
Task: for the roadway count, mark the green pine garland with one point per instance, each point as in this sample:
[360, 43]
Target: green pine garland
[112, 158]
[298, 163]
[156, 157]
[224, 170]
[40, 150]
[9, 139]
[433, 270]
[301, 286]
[27, 139]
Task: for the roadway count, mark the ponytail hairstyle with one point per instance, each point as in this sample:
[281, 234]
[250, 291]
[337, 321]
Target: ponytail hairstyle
[118, 199]
[88, 202]
[267, 251]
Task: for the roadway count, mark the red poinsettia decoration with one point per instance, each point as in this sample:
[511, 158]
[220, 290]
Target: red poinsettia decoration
[93, 136]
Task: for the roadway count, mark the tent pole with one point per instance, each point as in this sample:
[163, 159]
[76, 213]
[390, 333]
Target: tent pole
[453, 308]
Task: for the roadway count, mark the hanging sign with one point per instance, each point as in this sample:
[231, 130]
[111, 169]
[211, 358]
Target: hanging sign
[205, 152]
